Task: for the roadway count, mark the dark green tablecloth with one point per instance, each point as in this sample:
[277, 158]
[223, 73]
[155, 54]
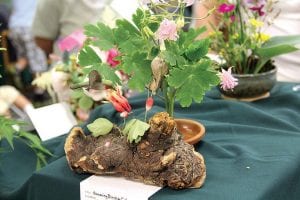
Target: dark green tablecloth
[252, 151]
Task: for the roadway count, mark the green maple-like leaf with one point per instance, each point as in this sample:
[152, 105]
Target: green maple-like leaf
[139, 70]
[102, 34]
[192, 82]
[189, 37]
[88, 56]
[100, 126]
[198, 49]
[125, 26]
[138, 17]
[135, 129]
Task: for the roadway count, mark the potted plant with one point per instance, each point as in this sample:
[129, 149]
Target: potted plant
[156, 55]
[245, 49]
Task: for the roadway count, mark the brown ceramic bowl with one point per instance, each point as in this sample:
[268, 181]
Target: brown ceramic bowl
[191, 130]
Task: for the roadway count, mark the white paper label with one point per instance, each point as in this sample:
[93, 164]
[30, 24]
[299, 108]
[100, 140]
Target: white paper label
[53, 120]
[114, 188]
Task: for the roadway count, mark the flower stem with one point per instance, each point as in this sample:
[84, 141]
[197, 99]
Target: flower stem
[169, 94]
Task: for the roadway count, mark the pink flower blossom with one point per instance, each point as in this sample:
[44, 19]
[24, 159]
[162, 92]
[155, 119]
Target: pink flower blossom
[167, 30]
[189, 2]
[228, 82]
[112, 54]
[225, 8]
[72, 41]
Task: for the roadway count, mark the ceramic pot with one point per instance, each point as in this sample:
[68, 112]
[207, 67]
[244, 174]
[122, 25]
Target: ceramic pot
[252, 85]
[191, 130]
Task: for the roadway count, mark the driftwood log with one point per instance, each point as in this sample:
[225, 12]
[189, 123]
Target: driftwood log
[161, 158]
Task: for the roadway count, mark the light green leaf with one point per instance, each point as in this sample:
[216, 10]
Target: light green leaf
[139, 70]
[85, 103]
[189, 37]
[34, 142]
[102, 34]
[279, 45]
[192, 82]
[138, 18]
[100, 126]
[77, 94]
[124, 25]
[88, 56]
[135, 129]
[108, 73]
[198, 49]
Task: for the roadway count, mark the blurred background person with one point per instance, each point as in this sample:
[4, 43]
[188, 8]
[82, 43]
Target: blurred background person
[9, 96]
[56, 19]
[20, 22]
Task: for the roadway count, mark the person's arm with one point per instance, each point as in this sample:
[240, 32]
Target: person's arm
[46, 23]
[200, 10]
[45, 44]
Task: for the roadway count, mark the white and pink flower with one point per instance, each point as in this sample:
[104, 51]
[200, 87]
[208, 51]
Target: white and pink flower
[167, 30]
[228, 82]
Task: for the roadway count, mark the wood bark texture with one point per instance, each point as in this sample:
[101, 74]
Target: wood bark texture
[161, 158]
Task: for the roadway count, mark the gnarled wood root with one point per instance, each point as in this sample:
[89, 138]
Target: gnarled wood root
[161, 158]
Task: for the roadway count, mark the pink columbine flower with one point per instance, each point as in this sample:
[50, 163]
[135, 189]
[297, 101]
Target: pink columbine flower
[149, 103]
[111, 55]
[72, 41]
[119, 102]
[189, 2]
[225, 8]
[167, 30]
[228, 82]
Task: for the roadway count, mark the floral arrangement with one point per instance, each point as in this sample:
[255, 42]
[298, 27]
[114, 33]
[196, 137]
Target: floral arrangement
[239, 36]
[66, 72]
[155, 54]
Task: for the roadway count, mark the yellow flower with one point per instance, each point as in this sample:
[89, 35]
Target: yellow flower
[235, 36]
[256, 23]
[262, 37]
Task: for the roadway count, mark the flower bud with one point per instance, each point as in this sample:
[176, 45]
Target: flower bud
[149, 103]
[180, 23]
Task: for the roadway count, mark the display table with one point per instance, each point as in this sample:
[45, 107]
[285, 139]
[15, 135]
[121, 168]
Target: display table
[252, 151]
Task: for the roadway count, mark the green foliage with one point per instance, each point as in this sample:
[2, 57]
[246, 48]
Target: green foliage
[188, 75]
[100, 126]
[85, 102]
[135, 129]
[8, 132]
[102, 34]
[88, 56]
[192, 82]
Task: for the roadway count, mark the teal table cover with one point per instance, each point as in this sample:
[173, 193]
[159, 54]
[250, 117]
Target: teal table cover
[251, 149]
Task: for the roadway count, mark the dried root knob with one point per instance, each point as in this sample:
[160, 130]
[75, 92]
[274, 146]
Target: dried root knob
[168, 159]
[162, 123]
